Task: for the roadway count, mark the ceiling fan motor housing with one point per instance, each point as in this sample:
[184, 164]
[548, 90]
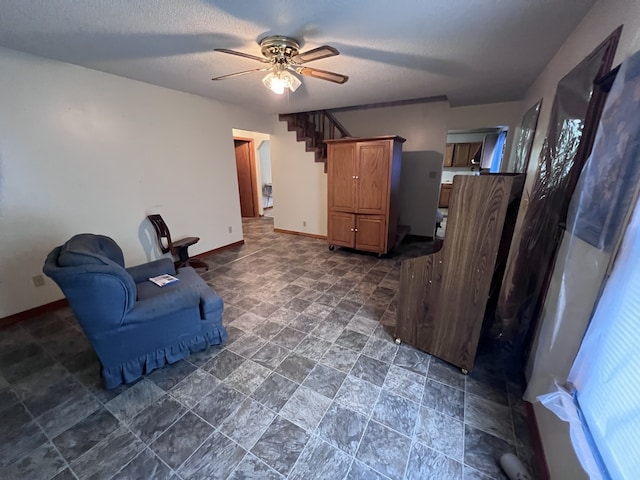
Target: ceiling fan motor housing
[279, 49]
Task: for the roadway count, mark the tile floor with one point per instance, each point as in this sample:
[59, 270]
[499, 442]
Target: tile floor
[309, 386]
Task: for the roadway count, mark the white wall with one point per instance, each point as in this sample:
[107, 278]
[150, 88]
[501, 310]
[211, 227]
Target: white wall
[84, 151]
[264, 153]
[299, 184]
[265, 161]
[604, 17]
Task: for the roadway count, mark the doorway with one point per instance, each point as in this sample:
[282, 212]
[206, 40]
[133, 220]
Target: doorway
[468, 152]
[264, 153]
[246, 169]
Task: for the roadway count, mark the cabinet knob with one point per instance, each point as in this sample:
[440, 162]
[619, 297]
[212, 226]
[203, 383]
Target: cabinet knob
[354, 177]
[356, 230]
[352, 230]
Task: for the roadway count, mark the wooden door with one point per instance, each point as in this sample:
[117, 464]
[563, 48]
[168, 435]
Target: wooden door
[372, 177]
[341, 229]
[245, 166]
[341, 171]
[371, 233]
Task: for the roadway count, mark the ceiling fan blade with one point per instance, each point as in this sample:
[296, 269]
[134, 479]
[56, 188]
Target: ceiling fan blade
[322, 74]
[241, 54]
[237, 74]
[315, 54]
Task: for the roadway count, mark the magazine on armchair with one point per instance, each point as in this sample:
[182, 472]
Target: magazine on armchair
[162, 280]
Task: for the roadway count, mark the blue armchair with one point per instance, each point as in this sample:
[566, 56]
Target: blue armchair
[133, 325]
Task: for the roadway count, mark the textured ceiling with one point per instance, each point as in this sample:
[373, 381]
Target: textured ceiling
[472, 51]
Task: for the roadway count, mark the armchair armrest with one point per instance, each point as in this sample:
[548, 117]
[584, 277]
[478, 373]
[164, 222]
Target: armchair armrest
[140, 273]
[172, 301]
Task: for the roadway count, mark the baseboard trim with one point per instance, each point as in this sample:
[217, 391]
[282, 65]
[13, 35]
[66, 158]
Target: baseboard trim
[300, 234]
[49, 307]
[538, 449]
[33, 312]
[218, 250]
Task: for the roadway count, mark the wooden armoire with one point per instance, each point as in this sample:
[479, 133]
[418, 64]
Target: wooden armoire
[363, 178]
[445, 297]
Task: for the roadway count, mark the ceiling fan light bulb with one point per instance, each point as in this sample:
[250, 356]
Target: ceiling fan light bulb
[278, 87]
[274, 83]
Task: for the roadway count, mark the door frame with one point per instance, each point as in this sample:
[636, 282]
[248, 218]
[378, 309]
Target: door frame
[253, 174]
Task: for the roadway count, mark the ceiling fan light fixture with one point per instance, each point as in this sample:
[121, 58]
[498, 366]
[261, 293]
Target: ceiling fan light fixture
[278, 81]
[273, 83]
[283, 56]
[292, 81]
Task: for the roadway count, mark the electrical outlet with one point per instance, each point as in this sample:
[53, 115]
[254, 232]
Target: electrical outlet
[230, 229]
[38, 281]
[304, 223]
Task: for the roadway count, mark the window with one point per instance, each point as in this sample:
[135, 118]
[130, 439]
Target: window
[605, 410]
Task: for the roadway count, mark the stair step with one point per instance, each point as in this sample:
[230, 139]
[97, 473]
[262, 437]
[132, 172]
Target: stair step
[306, 131]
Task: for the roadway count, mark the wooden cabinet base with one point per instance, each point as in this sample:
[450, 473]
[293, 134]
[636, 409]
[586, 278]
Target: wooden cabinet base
[366, 237]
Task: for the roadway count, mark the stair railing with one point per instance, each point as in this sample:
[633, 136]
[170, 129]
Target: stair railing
[328, 125]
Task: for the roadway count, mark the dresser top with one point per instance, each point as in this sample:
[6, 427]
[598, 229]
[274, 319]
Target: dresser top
[397, 138]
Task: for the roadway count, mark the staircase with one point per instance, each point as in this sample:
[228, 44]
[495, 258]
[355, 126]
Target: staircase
[314, 128]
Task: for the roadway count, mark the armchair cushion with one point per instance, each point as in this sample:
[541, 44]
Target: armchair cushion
[141, 273]
[209, 301]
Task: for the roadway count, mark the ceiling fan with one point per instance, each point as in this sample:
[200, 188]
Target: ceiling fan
[283, 56]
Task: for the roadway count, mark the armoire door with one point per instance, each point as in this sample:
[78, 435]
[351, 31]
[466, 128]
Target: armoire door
[341, 229]
[372, 177]
[341, 172]
[371, 233]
